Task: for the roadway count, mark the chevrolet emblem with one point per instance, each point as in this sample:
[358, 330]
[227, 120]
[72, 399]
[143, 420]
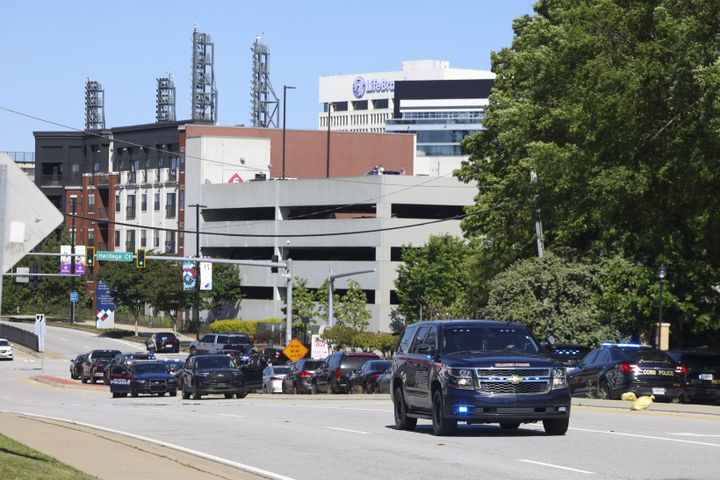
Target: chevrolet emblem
[515, 379]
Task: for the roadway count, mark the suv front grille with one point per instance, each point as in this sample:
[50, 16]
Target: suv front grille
[513, 381]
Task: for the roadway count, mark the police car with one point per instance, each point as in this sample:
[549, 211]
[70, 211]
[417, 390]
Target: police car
[616, 368]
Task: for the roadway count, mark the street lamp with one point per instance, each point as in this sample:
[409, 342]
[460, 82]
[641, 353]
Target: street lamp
[661, 273]
[331, 280]
[285, 89]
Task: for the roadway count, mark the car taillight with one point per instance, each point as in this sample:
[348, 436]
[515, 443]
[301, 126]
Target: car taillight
[95, 364]
[338, 374]
[681, 370]
[374, 376]
[626, 368]
[305, 374]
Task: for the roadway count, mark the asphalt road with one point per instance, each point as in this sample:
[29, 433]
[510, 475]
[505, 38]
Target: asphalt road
[325, 437]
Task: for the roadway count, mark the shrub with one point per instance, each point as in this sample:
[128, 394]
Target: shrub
[248, 327]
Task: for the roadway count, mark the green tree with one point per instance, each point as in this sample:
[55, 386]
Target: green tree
[166, 294]
[615, 106]
[385, 343]
[322, 295]
[352, 309]
[303, 302]
[339, 336]
[433, 275]
[226, 289]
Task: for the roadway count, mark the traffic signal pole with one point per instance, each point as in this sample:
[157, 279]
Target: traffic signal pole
[196, 306]
[73, 259]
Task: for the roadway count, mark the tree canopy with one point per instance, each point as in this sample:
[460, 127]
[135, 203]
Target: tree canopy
[614, 105]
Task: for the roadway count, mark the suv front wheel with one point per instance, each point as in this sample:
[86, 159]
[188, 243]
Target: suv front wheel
[441, 426]
[556, 426]
[402, 421]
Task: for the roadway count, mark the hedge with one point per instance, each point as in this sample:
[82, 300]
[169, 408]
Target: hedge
[248, 327]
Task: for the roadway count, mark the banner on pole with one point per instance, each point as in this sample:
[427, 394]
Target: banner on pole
[189, 275]
[80, 260]
[205, 276]
[105, 311]
[65, 261]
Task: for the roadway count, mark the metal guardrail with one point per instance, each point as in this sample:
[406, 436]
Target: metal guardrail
[18, 335]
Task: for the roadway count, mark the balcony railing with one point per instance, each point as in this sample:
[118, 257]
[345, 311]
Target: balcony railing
[101, 180]
[51, 180]
[170, 211]
[130, 213]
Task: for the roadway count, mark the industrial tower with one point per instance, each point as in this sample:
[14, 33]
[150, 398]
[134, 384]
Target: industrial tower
[165, 109]
[264, 101]
[94, 106]
[204, 94]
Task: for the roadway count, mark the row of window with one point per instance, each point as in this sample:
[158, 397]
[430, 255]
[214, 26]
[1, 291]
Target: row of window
[170, 204]
[162, 241]
[473, 114]
[347, 120]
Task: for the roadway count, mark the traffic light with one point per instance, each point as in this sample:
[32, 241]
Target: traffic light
[34, 279]
[275, 258]
[140, 259]
[284, 310]
[90, 256]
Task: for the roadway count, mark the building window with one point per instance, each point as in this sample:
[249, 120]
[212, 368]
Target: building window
[380, 103]
[91, 203]
[130, 241]
[170, 242]
[181, 199]
[170, 206]
[143, 204]
[143, 238]
[117, 238]
[156, 204]
[91, 237]
[156, 238]
[130, 210]
[117, 203]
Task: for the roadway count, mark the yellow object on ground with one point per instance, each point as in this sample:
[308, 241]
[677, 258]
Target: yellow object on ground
[628, 396]
[643, 402]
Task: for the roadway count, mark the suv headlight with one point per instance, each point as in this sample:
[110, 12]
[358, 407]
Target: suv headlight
[461, 378]
[559, 378]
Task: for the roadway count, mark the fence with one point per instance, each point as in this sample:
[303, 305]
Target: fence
[18, 335]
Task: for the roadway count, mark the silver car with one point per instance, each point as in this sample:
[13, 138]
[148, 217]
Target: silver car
[6, 352]
[273, 377]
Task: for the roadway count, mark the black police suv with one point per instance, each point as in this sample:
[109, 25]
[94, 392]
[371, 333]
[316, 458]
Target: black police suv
[477, 371]
[616, 368]
[702, 377]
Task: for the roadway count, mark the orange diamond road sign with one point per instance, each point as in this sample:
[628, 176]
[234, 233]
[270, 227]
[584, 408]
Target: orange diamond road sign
[295, 350]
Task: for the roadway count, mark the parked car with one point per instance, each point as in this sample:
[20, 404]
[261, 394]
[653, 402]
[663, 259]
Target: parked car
[613, 369]
[477, 371]
[240, 352]
[298, 378]
[702, 376]
[95, 363]
[210, 374]
[275, 356]
[76, 365]
[333, 376]
[163, 342]
[383, 383]
[119, 378]
[273, 376]
[363, 380]
[569, 354]
[6, 352]
[215, 341]
[151, 377]
[125, 359]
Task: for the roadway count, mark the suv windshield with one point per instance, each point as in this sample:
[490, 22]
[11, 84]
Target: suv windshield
[142, 368]
[471, 338]
[215, 362]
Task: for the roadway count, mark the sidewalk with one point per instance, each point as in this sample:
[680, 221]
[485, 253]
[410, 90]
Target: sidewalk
[112, 456]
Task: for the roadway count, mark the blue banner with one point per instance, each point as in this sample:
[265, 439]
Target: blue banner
[105, 306]
[189, 275]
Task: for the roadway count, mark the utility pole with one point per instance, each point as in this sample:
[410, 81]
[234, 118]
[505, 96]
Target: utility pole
[288, 313]
[3, 200]
[196, 305]
[73, 201]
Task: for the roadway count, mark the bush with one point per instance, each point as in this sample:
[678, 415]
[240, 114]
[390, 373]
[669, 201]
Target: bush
[248, 327]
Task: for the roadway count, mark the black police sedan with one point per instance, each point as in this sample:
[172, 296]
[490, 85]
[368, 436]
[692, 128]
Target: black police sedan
[615, 368]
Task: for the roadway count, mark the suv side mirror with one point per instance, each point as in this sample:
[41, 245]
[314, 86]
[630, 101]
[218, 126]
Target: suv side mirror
[424, 348]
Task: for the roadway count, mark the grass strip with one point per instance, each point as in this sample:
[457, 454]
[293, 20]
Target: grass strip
[20, 462]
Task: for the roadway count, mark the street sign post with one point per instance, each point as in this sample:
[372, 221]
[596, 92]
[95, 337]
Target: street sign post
[295, 350]
[103, 256]
[74, 297]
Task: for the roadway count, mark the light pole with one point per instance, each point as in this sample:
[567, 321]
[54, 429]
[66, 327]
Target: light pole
[661, 273]
[331, 278]
[196, 306]
[285, 89]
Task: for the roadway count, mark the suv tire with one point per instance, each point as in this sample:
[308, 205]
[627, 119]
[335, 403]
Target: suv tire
[556, 426]
[195, 394]
[441, 426]
[402, 421]
[185, 395]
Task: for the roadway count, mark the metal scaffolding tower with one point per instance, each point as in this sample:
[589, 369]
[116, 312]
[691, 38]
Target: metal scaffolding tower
[94, 105]
[264, 101]
[204, 94]
[165, 108]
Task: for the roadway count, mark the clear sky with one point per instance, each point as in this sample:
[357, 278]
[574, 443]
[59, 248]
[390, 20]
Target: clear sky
[50, 47]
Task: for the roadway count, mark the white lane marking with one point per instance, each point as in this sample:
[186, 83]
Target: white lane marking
[650, 437]
[325, 407]
[231, 415]
[348, 430]
[557, 466]
[688, 434]
[207, 456]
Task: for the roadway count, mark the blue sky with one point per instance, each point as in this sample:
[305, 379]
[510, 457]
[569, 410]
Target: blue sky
[49, 48]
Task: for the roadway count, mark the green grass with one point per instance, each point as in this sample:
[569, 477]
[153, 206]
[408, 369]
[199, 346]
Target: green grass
[22, 463]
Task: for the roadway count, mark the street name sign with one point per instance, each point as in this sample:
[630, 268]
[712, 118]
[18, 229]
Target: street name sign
[103, 256]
